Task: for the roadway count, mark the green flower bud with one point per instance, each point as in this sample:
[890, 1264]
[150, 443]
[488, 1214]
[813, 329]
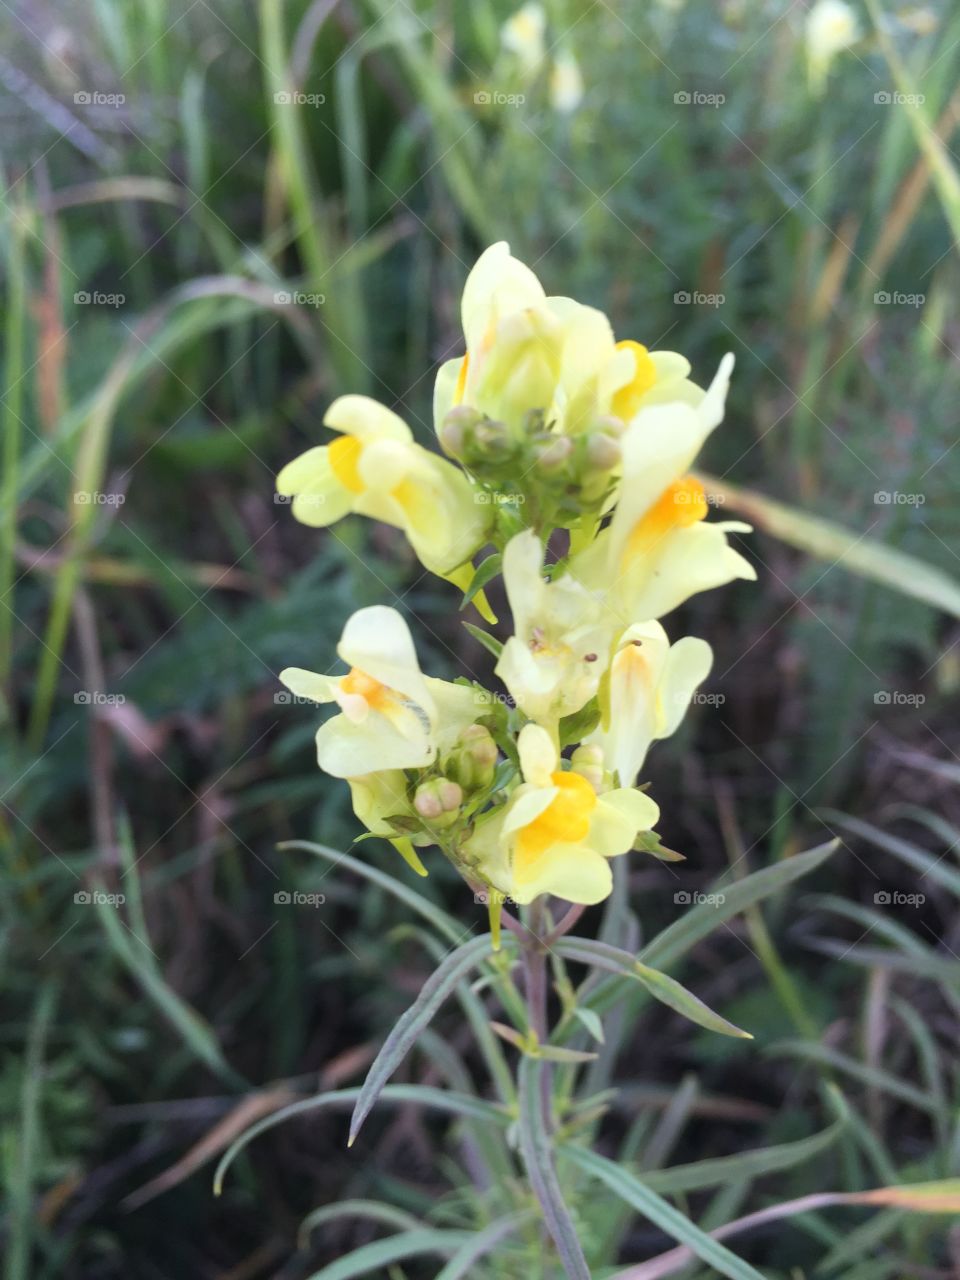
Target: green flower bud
[603, 452]
[610, 425]
[438, 801]
[491, 441]
[473, 760]
[587, 761]
[552, 452]
[457, 429]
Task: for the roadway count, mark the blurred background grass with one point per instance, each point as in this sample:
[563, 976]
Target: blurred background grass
[283, 206]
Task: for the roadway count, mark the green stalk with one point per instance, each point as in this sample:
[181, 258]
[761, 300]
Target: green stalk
[12, 412]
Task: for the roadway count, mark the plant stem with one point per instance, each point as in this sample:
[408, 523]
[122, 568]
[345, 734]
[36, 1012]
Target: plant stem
[535, 985]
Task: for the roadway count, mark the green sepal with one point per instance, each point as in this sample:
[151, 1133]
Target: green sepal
[574, 728]
[484, 572]
[490, 643]
[405, 848]
[649, 842]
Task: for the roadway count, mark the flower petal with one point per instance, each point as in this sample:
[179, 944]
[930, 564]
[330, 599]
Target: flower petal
[367, 419]
[573, 872]
[309, 684]
[377, 640]
[538, 755]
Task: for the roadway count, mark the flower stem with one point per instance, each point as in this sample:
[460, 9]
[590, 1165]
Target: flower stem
[535, 985]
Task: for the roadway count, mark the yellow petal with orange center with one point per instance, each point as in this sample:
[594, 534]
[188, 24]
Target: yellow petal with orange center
[627, 400]
[680, 505]
[360, 684]
[566, 819]
[344, 455]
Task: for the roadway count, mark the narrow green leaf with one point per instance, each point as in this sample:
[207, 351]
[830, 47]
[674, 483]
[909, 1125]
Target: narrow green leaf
[537, 1150]
[381, 1254]
[371, 1210]
[660, 985]
[667, 1218]
[701, 920]
[404, 1035]
[489, 642]
[745, 1165]
[342, 1099]
[485, 571]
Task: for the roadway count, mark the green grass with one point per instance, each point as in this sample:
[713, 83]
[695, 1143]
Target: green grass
[129, 1032]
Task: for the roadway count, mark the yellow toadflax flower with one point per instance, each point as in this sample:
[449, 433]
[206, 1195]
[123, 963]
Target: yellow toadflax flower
[832, 27]
[566, 84]
[553, 662]
[556, 832]
[391, 715]
[375, 468]
[650, 686]
[658, 549]
[523, 35]
[527, 351]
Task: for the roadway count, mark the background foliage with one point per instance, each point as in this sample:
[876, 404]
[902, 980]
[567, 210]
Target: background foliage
[216, 216]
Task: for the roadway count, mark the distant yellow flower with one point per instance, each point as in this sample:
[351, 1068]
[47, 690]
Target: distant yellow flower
[650, 687]
[375, 468]
[832, 27]
[391, 715]
[523, 35]
[566, 84]
[556, 833]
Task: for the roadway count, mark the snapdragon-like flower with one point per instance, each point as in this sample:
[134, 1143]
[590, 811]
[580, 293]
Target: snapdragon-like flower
[650, 687]
[391, 715]
[375, 468]
[832, 27]
[658, 549]
[553, 662]
[556, 833]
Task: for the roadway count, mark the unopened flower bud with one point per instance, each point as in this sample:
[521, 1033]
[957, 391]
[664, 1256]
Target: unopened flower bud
[459, 422]
[587, 761]
[438, 801]
[473, 760]
[492, 441]
[552, 452]
[610, 425]
[603, 452]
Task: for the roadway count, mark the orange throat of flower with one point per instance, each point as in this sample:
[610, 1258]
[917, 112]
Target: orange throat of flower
[681, 505]
[565, 820]
[626, 402]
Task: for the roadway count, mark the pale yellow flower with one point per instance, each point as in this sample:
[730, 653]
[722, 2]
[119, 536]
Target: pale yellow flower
[651, 685]
[375, 468]
[391, 716]
[556, 834]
